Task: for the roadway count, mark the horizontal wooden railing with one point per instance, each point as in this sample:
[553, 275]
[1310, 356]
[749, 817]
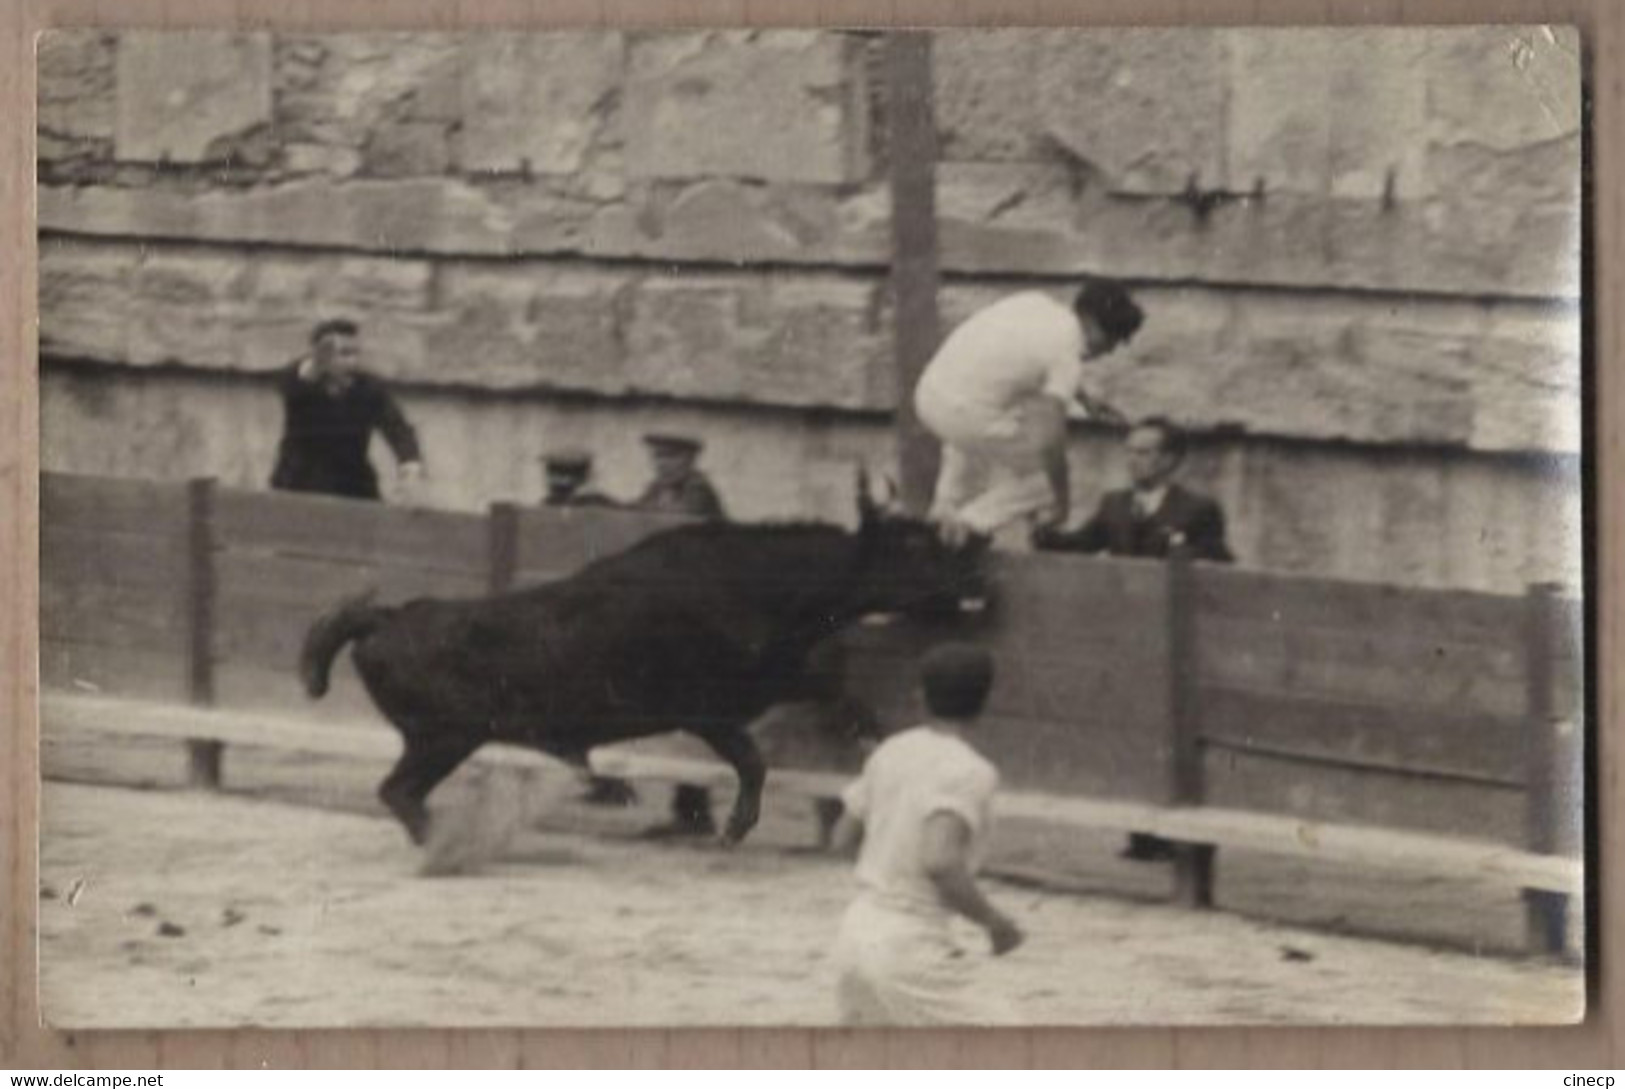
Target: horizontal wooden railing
[1444, 712]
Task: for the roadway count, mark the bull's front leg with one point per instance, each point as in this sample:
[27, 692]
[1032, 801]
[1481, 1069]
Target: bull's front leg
[843, 716]
[736, 747]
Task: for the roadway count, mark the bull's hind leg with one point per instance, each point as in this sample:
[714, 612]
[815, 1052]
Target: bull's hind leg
[421, 768]
[736, 747]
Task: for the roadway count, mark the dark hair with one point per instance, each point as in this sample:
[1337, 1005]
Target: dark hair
[957, 678]
[1110, 304]
[341, 326]
[1174, 440]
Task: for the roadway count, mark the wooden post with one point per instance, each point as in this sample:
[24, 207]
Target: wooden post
[912, 148]
[200, 590]
[1185, 742]
[203, 760]
[503, 539]
[1193, 874]
[827, 812]
[204, 755]
[1545, 912]
[1193, 862]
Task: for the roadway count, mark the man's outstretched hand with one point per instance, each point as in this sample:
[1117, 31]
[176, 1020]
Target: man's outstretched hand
[1100, 409]
[410, 478]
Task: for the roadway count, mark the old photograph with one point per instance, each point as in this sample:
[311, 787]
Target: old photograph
[721, 527]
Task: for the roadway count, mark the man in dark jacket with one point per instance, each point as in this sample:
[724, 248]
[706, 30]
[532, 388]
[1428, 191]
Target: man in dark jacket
[679, 486]
[569, 481]
[1157, 518]
[330, 410]
[569, 484]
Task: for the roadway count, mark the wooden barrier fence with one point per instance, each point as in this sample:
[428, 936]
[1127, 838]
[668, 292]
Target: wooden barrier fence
[1445, 712]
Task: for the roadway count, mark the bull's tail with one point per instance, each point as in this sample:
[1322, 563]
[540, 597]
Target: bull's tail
[357, 618]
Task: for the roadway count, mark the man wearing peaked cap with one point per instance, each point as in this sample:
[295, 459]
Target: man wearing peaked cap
[569, 473]
[569, 484]
[669, 440]
[679, 487]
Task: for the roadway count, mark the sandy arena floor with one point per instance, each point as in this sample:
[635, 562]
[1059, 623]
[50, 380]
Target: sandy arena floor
[168, 909]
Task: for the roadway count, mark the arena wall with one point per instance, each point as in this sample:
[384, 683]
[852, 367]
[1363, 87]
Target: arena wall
[1362, 285]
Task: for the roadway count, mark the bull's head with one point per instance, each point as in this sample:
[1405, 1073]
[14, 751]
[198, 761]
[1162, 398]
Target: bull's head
[907, 567]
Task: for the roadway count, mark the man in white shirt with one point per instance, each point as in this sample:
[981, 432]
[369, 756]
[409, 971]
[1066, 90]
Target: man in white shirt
[996, 395]
[922, 809]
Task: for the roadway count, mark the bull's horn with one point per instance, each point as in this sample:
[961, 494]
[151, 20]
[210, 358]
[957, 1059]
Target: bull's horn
[866, 498]
[894, 494]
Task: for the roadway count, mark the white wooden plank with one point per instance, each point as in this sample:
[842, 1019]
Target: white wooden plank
[1227, 828]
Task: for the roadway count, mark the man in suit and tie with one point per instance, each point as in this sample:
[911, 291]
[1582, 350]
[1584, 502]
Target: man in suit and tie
[1156, 517]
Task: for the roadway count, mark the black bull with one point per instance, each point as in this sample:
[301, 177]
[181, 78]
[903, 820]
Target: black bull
[701, 629]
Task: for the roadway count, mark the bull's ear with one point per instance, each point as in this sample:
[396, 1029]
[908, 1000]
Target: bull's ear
[868, 510]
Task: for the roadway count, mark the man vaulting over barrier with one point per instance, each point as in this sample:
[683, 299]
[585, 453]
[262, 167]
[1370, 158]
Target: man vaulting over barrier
[996, 395]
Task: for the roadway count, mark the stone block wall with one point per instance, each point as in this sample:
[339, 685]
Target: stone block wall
[1365, 226]
[1358, 237]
